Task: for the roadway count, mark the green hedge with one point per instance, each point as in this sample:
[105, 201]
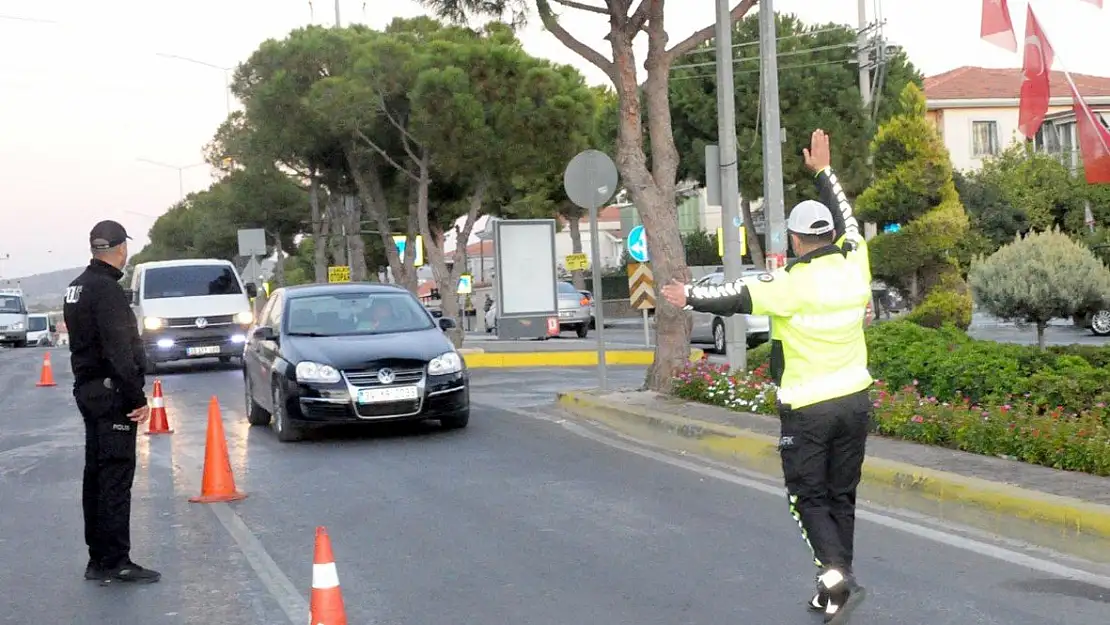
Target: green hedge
[949, 365]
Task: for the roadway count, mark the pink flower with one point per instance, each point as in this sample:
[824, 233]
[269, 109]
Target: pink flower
[918, 419]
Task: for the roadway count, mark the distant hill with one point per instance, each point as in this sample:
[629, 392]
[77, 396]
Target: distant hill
[44, 290]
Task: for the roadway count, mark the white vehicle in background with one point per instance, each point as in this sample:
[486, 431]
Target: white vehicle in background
[13, 318]
[709, 328]
[39, 331]
[194, 308]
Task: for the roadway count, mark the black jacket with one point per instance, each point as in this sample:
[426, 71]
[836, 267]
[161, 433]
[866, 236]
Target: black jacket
[103, 334]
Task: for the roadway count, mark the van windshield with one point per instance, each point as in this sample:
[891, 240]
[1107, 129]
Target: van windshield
[37, 324]
[189, 281]
[11, 304]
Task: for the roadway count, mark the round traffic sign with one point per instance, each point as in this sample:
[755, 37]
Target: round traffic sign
[590, 179]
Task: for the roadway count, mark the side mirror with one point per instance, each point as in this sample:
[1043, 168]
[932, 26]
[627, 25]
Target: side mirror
[53, 328]
[446, 324]
[264, 333]
[130, 295]
[252, 290]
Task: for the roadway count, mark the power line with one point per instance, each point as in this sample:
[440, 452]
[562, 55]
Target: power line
[780, 55]
[748, 44]
[756, 71]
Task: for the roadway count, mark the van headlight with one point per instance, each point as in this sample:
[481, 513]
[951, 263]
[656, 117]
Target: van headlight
[153, 323]
[18, 325]
[444, 364]
[244, 318]
[316, 372]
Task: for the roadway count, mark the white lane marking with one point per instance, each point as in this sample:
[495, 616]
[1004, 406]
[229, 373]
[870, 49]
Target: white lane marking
[867, 513]
[291, 601]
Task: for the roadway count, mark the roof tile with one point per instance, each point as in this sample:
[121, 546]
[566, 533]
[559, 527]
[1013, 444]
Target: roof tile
[975, 83]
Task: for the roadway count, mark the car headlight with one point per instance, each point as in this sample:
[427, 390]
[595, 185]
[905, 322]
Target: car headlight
[153, 323]
[245, 318]
[18, 325]
[444, 364]
[316, 372]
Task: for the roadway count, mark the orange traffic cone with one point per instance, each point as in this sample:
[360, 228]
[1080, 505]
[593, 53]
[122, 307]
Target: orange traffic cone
[159, 422]
[326, 605]
[46, 378]
[217, 483]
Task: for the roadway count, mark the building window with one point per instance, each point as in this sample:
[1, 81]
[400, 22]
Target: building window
[984, 139]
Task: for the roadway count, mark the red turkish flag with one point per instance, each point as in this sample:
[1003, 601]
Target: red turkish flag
[1094, 141]
[1035, 91]
[996, 26]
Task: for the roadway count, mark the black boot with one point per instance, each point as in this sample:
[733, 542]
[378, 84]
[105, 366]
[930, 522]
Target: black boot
[94, 572]
[844, 596]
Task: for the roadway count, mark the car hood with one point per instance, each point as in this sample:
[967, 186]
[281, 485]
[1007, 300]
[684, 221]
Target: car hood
[370, 351]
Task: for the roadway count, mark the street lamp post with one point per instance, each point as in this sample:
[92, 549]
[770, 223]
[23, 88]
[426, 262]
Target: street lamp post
[225, 70]
[180, 172]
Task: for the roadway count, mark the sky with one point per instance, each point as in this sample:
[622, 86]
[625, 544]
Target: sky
[87, 94]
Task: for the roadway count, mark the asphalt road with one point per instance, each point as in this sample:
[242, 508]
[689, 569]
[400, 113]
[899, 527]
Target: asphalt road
[522, 518]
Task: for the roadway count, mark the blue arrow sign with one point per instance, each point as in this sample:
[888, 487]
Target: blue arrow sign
[637, 245]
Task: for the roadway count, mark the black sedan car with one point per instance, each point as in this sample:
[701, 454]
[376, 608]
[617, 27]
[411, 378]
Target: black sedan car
[327, 354]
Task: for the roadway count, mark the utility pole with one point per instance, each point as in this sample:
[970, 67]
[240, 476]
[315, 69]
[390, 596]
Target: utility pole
[4, 257]
[773, 208]
[736, 344]
[863, 55]
[337, 24]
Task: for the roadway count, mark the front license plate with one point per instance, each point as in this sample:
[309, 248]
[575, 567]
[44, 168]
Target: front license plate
[391, 393]
[207, 350]
[566, 313]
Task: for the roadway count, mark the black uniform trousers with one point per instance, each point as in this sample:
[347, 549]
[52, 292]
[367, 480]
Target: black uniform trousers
[110, 441]
[822, 448]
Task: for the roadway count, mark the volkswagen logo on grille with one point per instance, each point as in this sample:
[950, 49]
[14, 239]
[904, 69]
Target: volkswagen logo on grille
[385, 376]
[202, 322]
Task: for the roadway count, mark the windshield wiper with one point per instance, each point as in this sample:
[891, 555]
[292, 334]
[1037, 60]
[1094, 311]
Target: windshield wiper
[307, 334]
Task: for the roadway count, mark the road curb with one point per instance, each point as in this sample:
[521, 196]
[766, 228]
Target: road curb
[759, 452]
[494, 360]
[471, 350]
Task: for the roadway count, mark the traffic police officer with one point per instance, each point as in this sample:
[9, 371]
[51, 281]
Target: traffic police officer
[817, 306]
[108, 367]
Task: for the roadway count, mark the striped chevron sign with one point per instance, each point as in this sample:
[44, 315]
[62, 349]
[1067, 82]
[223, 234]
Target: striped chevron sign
[641, 286]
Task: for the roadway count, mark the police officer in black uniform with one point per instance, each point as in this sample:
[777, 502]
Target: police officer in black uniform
[108, 366]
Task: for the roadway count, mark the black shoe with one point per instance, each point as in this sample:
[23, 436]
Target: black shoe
[132, 573]
[94, 572]
[818, 602]
[843, 598]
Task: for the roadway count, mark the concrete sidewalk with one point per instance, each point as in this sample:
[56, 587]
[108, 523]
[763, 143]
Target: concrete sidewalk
[1066, 511]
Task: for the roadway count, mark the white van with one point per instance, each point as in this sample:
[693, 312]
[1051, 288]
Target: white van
[195, 308]
[39, 330]
[13, 318]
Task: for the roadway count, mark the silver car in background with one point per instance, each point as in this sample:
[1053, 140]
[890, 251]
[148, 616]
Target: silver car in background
[709, 328]
[575, 310]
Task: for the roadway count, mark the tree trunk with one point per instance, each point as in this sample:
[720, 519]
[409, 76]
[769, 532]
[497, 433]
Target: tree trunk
[279, 268]
[653, 191]
[370, 190]
[574, 226]
[755, 246]
[1041, 325]
[355, 243]
[319, 249]
[337, 230]
[447, 279]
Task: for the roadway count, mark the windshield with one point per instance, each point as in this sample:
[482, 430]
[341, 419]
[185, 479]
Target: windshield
[338, 314]
[189, 281]
[566, 287]
[37, 324]
[11, 304]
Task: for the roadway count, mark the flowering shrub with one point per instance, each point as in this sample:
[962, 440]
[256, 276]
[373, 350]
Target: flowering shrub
[707, 383]
[1015, 428]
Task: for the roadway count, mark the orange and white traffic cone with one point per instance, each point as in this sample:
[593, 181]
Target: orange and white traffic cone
[159, 422]
[326, 605]
[217, 482]
[46, 378]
